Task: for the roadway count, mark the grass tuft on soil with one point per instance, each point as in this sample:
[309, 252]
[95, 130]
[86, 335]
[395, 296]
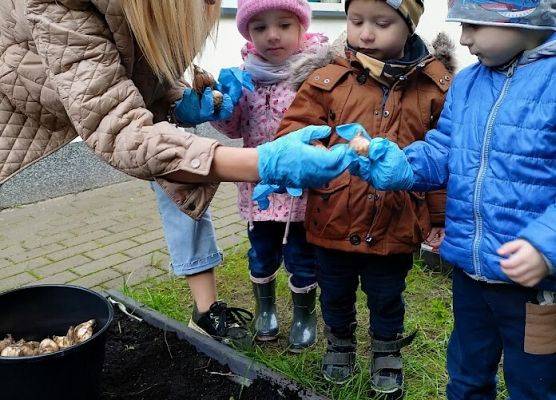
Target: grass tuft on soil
[428, 300]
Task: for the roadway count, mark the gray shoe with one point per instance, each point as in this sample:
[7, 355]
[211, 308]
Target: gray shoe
[303, 331]
[266, 318]
[386, 367]
[338, 363]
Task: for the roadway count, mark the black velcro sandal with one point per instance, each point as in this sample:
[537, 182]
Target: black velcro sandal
[338, 363]
[386, 366]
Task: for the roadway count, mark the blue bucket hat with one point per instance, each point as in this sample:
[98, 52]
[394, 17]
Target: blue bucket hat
[528, 14]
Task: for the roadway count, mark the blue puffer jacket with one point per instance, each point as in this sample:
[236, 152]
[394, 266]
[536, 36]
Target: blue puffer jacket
[495, 150]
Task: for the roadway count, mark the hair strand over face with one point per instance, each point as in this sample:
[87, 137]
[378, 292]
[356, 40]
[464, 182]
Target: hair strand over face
[171, 33]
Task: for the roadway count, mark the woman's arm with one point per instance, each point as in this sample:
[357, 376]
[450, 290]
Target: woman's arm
[230, 164]
[82, 59]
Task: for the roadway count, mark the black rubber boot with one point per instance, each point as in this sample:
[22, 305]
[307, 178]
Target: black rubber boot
[303, 331]
[386, 367]
[225, 324]
[266, 319]
[338, 363]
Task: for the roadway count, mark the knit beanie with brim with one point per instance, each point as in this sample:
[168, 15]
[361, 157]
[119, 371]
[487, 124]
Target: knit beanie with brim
[410, 10]
[247, 9]
[528, 14]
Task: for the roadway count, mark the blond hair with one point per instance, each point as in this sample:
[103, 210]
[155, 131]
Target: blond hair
[171, 33]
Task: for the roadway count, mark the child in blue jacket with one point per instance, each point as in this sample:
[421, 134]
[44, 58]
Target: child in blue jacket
[494, 149]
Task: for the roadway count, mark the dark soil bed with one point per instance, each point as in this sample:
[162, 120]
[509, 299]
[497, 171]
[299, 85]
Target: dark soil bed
[144, 363]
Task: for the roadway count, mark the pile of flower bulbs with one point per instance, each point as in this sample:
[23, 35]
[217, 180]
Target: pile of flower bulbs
[10, 348]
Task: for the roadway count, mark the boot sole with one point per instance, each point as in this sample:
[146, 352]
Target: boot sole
[299, 350]
[326, 378]
[382, 391]
[266, 338]
[397, 394]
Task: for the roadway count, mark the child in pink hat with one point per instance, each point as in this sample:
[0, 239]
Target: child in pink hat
[276, 35]
[247, 9]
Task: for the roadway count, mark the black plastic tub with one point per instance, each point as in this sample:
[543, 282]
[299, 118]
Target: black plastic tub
[37, 312]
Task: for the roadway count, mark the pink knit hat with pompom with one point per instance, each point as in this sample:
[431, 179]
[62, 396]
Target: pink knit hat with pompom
[247, 9]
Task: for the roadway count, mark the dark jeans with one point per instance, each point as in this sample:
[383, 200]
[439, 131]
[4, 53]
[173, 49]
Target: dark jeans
[267, 251]
[489, 319]
[382, 280]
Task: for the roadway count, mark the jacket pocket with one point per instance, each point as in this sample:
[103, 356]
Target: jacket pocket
[409, 221]
[540, 329]
[327, 208]
[422, 215]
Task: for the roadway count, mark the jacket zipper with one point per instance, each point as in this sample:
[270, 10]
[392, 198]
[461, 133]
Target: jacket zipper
[368, 238]
[268, 101]
[385, 94]
[268, 109]
[477, 194]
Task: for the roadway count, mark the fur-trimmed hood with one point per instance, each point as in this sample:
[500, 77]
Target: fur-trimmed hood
[441, 48]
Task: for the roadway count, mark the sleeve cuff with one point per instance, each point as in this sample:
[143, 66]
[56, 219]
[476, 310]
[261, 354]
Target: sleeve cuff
[551, 268]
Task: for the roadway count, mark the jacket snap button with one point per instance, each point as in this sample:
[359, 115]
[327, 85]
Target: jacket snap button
[442, 81]
[355, 240]
[326, 81]
[317, 78]
[386, 114]
[369, 239]
[376, 112]
[195, 163]
[447, 77]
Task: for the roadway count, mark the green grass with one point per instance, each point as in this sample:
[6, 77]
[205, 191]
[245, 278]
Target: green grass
[428, 300]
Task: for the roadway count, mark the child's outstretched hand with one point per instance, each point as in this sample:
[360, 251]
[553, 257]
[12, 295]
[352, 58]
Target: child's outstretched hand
[435, 238]
[523, 263]
[381, 162]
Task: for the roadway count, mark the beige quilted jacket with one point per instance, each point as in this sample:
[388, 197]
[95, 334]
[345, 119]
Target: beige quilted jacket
[71, 67]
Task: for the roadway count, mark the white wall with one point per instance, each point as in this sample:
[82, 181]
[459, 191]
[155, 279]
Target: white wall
[226, 51]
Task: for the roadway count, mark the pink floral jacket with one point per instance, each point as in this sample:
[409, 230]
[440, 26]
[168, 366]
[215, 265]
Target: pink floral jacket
[256, 119]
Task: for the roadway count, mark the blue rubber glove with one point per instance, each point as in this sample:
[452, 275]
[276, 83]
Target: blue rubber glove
[193, 110]
[291, 161]
[386, 166]
[231, 81]
[262, 191]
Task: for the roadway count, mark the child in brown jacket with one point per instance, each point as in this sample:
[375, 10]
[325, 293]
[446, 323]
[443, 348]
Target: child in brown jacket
[385, 79]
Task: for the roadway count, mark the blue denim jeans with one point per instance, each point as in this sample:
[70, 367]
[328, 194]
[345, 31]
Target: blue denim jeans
[382, 280]
[491, 319]
[192, 244]
[267, 251]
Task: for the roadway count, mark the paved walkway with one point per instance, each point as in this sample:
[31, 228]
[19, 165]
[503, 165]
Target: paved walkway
[99, 238]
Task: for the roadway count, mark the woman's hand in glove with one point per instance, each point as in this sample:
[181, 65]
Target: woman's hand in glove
[292, 161]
